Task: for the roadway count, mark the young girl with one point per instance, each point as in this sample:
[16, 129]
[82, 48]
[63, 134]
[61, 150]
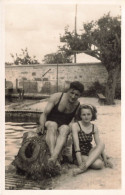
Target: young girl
[83, 132]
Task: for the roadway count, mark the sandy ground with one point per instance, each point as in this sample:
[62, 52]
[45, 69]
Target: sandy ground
[109, 124]
[110, 132]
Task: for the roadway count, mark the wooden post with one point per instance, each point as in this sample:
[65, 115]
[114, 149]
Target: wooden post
[57, 76]
[75, 29]
[16, 84]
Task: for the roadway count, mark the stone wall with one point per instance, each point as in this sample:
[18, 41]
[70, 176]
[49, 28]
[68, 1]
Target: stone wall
[43, 78]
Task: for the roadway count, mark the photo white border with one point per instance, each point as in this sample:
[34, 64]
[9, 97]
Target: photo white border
[2, 102]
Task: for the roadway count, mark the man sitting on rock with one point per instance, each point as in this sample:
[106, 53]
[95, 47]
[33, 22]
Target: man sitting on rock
[56, 119]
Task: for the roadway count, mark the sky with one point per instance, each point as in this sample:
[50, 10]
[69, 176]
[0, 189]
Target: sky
[39, 26]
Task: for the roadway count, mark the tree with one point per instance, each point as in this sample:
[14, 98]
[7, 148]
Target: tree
[24, 58]
[8, 63]
[102, 40]
[74, 43]
[59, 57]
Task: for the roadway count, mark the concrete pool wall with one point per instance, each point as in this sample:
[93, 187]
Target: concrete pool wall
[25, 110]
[22, 116]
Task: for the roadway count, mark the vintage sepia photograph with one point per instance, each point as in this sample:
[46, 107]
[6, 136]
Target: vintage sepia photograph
[62, 95]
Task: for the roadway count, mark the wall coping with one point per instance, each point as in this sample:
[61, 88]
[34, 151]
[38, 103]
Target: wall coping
[41, 65]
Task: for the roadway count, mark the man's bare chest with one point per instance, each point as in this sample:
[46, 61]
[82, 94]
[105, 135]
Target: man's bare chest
[66, 108]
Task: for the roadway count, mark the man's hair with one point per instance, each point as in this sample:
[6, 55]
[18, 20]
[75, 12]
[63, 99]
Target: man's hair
[77, 86]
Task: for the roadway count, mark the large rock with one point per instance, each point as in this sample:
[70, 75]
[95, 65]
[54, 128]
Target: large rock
[32, 157]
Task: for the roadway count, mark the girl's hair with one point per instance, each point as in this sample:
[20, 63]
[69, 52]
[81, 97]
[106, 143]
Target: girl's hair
[90, 107]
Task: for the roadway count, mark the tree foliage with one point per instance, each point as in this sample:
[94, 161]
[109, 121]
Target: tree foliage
[59, 57]
[103, 35]
[100, 39]
[24, 58]
[74, 43]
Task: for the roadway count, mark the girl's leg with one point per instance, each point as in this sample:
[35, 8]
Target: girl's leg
[98, 164]
[94, 157]
[91, 160]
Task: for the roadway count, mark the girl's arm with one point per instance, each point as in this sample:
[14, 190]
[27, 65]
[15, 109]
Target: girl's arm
[75, 130]
[96, 136]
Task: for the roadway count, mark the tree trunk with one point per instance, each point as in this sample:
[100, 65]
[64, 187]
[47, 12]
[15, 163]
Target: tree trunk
[75, 58]
[111, 85]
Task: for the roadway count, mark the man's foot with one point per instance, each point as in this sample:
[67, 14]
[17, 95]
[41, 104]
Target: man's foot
[50, 168]
[53, 168]
[51, 163]
[58, 166]
[54, 165]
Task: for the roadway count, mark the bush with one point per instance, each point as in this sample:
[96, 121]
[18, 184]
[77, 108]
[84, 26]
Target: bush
[94, 89]
[118, 93]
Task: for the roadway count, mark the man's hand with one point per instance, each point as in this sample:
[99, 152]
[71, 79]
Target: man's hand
[40, 130]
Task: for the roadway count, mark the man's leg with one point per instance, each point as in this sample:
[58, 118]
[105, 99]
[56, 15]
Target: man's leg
[61, 140]
[51, 135]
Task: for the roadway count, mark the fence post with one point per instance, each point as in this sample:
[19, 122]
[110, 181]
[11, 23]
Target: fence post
[57, 76]
[16, 84]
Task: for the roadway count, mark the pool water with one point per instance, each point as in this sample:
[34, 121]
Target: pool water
[13, 138]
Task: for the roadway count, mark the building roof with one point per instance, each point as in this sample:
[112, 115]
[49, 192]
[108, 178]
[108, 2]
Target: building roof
[84, 58]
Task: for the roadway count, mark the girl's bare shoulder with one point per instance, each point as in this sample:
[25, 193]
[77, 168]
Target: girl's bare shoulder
[95, 128]
[75, 126]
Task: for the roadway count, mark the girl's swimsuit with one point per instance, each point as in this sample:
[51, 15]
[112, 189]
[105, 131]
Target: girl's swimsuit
[61, 118]
[84, 141]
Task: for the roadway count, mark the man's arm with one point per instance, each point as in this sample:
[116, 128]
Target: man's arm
[51, 103]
